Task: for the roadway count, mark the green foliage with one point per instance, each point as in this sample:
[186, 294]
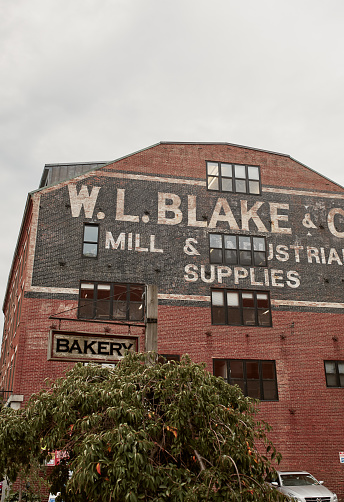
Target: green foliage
[152, 432]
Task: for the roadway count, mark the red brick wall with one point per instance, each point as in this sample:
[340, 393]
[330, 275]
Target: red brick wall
[189, 160]
[307, 419]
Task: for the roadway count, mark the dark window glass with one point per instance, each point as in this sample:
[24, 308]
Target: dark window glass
[334, 372]
[237, 369]
[256, 379]
[111, 301]
[103, 301]
[240, 308]
[220, 368]
[234, 249]
[90, 240]
[86, 300]
[233, 178]
[231, 257]
[252, 370]
[119, 303]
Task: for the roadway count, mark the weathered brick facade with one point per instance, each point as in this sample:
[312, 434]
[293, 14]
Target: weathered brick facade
[155, 215]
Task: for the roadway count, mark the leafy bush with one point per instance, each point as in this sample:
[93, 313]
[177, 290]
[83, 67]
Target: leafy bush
[142, 431]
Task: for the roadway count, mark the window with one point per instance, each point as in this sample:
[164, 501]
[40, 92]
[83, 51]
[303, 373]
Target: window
[256, 379]
[237, 249]
[235, 178]
[90, 241]
[111, 301]
[240, 308]
[334, 371]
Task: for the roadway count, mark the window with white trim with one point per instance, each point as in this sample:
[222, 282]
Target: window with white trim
[334, 371]
[90, 240]
[240, 308]
[235, 178]
[237, 250]
[100, 300]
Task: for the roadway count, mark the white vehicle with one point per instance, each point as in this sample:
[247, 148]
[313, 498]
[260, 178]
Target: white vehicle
[301, 486]
[52, 497]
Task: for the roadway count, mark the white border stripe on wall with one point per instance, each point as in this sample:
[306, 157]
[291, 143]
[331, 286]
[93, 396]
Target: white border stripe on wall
[301, 303]
[145, 177]
[179, 181]
[332, 195]
[186, 298]
[63, 291]
[198, 298]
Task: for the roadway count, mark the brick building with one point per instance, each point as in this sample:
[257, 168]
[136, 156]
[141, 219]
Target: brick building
[246, 250]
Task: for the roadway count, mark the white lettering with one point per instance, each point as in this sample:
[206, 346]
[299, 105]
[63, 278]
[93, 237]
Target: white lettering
[120, 216]
[130, 241]
[191, 273]
[266, 277]
[278, 278]
[313, 253]
[189, 249]
[330, 221]
[297, 250]
[276, 218]
[152, 247]
[223, 272]
[275, 276]
[82, 199]
[222, 205]
[138, 244]
[163, 208]
[206, 276]
[192, 211]
[253, 278]
[121, 241]
[334, 256]
[293, 279]
[281, 253]
[239, 273]
[109, 240]
[323, 257]
[251, 214]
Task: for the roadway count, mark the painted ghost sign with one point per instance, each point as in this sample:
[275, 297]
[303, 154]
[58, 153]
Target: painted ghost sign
[157, 229]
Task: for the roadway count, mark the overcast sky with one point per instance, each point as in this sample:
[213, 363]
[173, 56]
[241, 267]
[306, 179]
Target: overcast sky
[93, 80]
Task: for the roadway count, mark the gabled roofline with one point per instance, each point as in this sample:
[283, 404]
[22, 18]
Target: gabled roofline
[271, 152]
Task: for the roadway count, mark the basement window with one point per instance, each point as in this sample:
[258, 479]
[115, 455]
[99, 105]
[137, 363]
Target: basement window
[90, 240]
[113, 301]
[235, 178]
[256, 378]
[334, 371]
[240, 308]
[237, 250]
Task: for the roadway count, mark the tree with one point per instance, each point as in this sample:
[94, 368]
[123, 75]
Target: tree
[142, 431]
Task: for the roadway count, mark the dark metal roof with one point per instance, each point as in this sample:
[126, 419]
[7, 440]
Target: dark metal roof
[54, 173]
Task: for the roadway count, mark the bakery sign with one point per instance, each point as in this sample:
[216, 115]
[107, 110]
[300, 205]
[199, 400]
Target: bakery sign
[89, 347]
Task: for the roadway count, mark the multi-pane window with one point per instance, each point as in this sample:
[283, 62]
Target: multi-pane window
[111, 301]
[235, 178]
[256, 379]
[237, 249]
[90, 240]
[334, 371]
[240, 308]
